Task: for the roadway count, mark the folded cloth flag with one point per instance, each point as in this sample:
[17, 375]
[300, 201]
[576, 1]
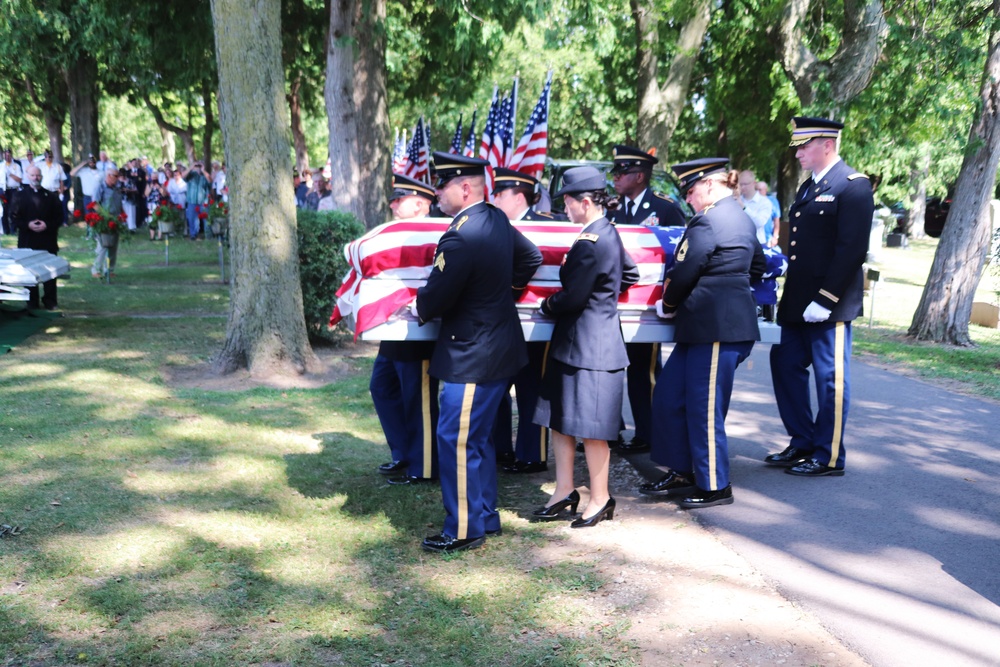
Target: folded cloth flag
[391, 262]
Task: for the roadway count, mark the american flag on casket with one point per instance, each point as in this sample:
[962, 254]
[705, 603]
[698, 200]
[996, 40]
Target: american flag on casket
[392, 261]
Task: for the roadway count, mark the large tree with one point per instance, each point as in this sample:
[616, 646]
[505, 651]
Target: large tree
[826, 84]
[266, 332]
[660, 104]
[946, 303]
[357, 109]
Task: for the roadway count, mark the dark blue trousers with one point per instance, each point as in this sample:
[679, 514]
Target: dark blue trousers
[826, 346]
[531, 445]
[467, 458]
[690, 407]
[405, 399]
[643, 369]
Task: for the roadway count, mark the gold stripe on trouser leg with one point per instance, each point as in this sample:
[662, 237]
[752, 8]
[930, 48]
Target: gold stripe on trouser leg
[653, 358]
[425, 408]
[543, 436]
[838, 390]
[713, 375]
[462, 462]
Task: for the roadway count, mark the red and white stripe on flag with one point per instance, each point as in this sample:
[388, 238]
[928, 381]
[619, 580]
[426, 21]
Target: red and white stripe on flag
[389, 264]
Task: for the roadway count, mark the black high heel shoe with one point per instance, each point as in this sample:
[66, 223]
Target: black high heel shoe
[606, 512]
[555, 510]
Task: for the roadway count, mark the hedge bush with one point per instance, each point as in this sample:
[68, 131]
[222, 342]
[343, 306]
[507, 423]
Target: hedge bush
[322, 236]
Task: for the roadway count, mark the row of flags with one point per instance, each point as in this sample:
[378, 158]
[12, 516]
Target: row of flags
[412, 158]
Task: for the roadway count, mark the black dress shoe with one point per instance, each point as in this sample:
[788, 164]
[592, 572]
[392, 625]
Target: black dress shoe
[523, 467]
[813, 468]
[555, 510]
[606, 512]
[789, 457]
[441, 543]
[392, 467]
[671, 484]
[633, 446]
[701, 498]
[410, 479]
[506, 458]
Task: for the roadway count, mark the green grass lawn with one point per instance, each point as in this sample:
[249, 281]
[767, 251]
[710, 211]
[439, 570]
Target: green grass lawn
[904, 272]
[164, 525]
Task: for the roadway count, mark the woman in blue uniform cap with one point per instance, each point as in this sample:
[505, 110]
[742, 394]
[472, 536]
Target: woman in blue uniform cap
[581, 393]
[707, 296]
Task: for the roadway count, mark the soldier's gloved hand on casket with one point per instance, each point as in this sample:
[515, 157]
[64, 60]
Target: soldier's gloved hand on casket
[663, 315]
[413, 310]
[816, 313]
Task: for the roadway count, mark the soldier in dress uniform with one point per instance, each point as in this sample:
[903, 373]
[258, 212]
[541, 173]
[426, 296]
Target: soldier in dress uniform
[829, 226]
[582, 392]
[36, 214]
[706, 294]
[640, 206]
[479, 262]
[404, 394]
[515, 193]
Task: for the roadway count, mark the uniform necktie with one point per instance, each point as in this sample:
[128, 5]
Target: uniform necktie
[628, 212]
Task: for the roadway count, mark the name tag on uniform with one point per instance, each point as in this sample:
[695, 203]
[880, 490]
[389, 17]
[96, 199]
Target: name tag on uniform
[825, 198]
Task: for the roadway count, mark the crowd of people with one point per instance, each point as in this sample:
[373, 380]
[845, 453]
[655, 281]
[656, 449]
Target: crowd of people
[441, 404]
[134, 190]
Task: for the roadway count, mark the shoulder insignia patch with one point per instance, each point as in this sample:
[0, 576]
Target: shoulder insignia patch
[439, 262]
[588, 237]
[457, 225]
[853, 177]
[682, 250]
[660, 195]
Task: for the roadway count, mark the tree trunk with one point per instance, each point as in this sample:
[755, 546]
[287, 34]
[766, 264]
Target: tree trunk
[81, 81]
[54, 128]
[206, 139]
[266, 331]
[338, 92]
[789, 177]
[850, 69]
[298, 133]
[370, 98]
[914, 226]
[185, 133]
[660, 107]
[946, 304]
[168, 149]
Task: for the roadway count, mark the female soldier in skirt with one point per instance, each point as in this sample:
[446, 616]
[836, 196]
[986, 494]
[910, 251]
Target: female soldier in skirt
[581, 393]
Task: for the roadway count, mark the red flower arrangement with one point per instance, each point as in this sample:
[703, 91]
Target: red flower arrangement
[169, 213]
[215, 209]
[101, 221]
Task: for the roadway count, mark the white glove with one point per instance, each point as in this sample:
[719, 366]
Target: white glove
[662, 315]
[413, 310]
[816, 313]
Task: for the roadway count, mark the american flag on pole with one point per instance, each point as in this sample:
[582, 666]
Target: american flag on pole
[456, 140]
[399, 161]
[419, 152]
[486, 144]
[529, 157]
[470, 143]
[507, 126]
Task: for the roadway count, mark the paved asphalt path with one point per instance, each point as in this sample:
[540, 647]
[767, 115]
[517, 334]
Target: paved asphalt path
[900, 558]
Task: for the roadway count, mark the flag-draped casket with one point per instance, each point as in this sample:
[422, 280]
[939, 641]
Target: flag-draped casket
[389, 264]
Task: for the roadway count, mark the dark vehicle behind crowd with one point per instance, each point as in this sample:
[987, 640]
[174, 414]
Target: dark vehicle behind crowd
[661, 181]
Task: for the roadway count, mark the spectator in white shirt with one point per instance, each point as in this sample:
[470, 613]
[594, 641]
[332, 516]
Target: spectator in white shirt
[52, 173]
[757, 207]
[90, 177]
[10, 181]
[105, 163]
